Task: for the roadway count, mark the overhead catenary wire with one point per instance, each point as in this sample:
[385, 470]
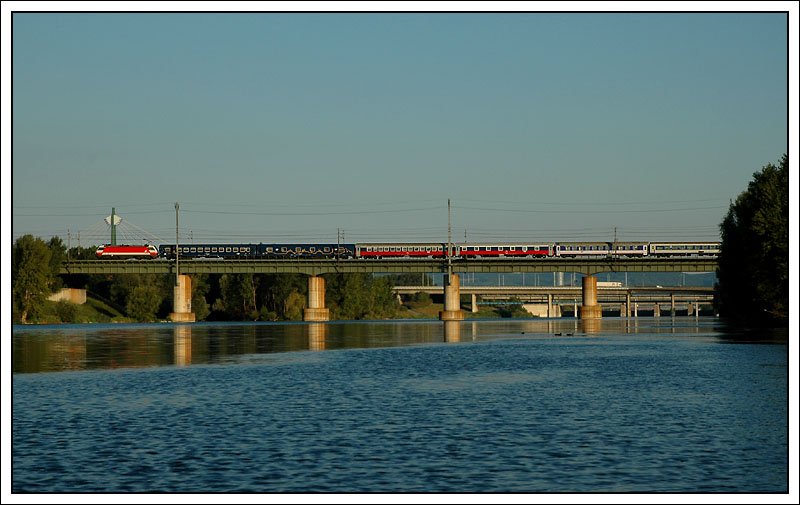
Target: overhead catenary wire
[245, 231]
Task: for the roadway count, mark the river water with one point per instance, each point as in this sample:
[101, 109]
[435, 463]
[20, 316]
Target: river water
[658, 405]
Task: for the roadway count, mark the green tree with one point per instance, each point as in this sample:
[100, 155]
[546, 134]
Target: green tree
[200, 288]
[239, 296]
[141, 295]
[753, 272]
[356, 303]
[275, 289]
[384, 303]
[360, 296]
[58, 253]
[82, 253]
[143, 302]
[293, 306]
[31, 276]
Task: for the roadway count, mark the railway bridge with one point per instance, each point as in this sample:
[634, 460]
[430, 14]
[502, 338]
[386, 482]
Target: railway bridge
[314, 268]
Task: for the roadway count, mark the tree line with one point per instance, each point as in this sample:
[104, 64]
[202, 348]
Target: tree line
[218, 297]
[753, 273]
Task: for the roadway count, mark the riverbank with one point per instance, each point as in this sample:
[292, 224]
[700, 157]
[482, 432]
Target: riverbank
[96, 311]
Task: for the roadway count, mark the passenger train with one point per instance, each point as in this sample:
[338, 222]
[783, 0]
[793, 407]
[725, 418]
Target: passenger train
[367, 251]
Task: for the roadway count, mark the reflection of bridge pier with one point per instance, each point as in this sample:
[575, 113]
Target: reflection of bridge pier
[182, 336]
[317, 333]
[591, 325]
[452, 331]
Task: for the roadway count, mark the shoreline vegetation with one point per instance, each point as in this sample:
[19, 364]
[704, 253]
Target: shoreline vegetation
[95, 311]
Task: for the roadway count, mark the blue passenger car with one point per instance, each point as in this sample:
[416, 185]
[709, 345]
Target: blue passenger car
[192, 251]
[306, 251]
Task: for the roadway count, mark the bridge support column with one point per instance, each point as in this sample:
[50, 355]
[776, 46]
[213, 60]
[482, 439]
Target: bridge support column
[590, 308]
[474, 307]
[549, 305]
[316, 310]
[628, 304]
[672, 304]
[657, 310]
[452, 299]
[182, 301]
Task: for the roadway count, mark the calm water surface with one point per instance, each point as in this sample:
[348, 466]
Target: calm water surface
[618, 405]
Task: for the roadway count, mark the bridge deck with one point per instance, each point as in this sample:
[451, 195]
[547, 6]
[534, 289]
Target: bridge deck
[587, 266]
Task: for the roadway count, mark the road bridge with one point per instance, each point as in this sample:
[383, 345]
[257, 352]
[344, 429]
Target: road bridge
[627, 299]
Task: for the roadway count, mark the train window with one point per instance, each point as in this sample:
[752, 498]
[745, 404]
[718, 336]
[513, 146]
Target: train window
[512, 248]
[213, 249]
[326, 250]
[236, 249]
[227, 249]
[312, 250]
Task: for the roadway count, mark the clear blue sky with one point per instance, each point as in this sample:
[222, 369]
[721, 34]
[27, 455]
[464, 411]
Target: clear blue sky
[279, 127]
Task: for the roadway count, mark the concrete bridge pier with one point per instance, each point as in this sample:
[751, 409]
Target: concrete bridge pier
[316, 310]
[182, 301]
[590, 309]
[452, 299]
[657, 310]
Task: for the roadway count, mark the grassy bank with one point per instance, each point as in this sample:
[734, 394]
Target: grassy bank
[93, 311]
[96, 311]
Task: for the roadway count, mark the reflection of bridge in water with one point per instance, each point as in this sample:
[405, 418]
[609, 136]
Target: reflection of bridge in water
[183, 344]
